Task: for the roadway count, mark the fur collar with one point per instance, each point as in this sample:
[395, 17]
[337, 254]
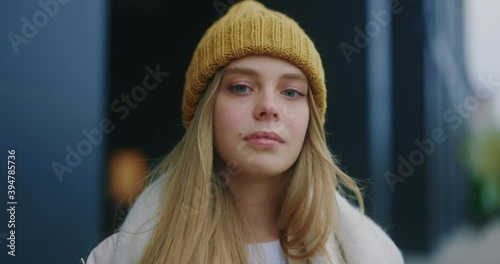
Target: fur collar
[363, 241]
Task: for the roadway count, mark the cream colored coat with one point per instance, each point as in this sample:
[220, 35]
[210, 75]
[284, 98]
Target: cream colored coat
[363, 242]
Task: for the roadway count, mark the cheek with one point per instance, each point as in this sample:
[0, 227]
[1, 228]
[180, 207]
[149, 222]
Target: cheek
[300, 127]
[228, 117]
[228, 121]
[298, 124]
[297, 118]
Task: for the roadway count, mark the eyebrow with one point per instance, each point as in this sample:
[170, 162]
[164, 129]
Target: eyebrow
[294, 76]
[251, 72]
[246, 71]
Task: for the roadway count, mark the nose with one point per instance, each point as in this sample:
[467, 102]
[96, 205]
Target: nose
[267, 106]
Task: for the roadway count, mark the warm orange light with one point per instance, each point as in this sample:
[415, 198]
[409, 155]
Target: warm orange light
[127, 169]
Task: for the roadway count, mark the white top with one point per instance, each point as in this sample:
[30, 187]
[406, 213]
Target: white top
[271, 252]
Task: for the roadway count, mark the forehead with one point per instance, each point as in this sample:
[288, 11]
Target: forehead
[264, 65]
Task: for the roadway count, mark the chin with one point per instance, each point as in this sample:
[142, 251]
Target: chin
[266, 170]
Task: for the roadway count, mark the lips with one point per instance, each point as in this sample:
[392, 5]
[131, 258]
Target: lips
[264, 136]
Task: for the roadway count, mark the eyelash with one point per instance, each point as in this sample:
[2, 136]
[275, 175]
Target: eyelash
[233, 88]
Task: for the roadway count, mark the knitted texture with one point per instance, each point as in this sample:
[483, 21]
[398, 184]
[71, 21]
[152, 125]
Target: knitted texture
[249, 28]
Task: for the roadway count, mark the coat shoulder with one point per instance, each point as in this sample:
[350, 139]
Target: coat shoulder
[363, 240]
[102, 253]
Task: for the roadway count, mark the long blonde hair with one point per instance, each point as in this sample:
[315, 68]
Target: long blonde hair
[199, 220]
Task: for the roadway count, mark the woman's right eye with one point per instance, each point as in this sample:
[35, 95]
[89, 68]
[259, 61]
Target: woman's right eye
[239, 88]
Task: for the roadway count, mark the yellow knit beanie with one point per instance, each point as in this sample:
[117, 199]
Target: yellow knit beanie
[249, 28]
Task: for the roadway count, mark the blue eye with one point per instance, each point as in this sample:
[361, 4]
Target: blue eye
[239, 88]
[292, 93]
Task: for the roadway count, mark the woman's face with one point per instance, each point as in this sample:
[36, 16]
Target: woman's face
[261, 115]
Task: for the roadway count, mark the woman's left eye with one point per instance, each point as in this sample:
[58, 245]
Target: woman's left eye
[239, 88]
[292, 93]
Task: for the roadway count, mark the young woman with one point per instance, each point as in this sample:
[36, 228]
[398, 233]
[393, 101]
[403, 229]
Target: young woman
[252, 180]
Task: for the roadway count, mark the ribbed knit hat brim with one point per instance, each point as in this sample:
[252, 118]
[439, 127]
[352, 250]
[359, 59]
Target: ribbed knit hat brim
[249, 28]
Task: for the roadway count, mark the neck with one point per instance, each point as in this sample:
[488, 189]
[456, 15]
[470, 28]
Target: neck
[258, 200]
